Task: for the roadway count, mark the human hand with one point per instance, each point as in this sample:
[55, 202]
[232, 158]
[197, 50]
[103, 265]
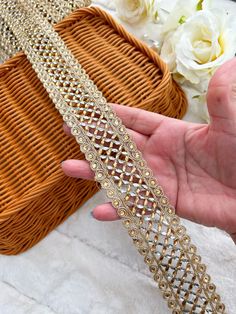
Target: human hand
[194, 163]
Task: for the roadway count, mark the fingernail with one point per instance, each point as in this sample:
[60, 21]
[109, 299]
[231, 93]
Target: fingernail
[62, 163]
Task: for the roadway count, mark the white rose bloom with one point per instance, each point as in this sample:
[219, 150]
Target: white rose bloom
[132, 11]
[200, 45]
[182, 10]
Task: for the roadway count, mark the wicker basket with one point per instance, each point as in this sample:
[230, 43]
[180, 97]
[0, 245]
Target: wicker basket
[35, 196]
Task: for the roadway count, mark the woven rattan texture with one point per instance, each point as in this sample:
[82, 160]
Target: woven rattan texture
[35, 196]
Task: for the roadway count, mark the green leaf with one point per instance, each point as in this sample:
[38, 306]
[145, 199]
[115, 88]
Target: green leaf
[199, 5]
[182, 20]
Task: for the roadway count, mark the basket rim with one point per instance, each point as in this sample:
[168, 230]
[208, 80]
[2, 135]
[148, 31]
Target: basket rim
[98, 12]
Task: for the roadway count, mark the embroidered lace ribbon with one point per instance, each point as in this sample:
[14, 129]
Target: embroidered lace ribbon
[119, 167]
[53, 10]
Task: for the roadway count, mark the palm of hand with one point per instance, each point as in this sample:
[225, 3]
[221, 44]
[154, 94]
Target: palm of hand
[194, 163]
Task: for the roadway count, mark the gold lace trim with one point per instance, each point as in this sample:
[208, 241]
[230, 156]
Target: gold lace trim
[119, 167]
[52, 10]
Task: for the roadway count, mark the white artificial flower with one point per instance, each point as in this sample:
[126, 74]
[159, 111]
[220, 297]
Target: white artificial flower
[154, 9]
[132, 11]
[181, 11]
[200, 45]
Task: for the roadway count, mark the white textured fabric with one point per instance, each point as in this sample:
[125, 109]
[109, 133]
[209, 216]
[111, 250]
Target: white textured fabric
[90, 267]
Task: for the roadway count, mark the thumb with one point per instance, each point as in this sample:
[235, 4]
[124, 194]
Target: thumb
[221, 98]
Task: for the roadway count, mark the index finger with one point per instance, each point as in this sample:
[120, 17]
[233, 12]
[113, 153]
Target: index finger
[139, 120]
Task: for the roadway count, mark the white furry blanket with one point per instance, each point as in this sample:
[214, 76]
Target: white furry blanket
[89, 267]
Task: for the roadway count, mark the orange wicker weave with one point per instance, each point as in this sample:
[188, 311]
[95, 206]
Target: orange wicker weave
[35, 196]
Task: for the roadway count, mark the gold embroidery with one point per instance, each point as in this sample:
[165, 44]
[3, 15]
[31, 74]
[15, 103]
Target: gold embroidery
[52, 10]
[118, 165]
